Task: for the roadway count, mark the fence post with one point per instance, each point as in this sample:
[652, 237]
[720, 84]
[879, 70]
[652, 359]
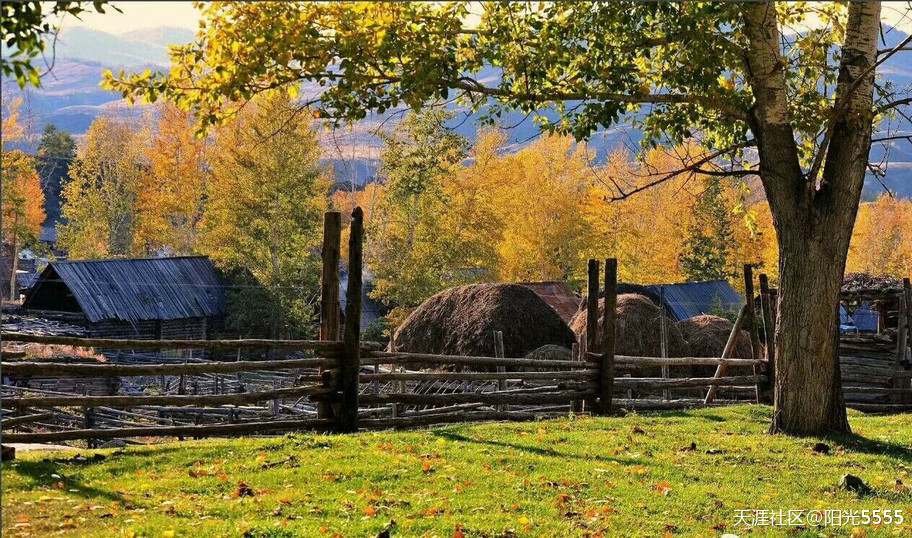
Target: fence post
[329, 292]
[751, 318]
[609, 320]
[769, 329]
[351, 338]
[576, 406]
[903, 340]
[500, 353]
[663, 332]
[592, 317]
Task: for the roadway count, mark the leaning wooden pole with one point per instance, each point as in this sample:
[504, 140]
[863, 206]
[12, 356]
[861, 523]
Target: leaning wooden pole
[592, 317]
[751, 319]
[609, 320]
[330, 311]
[727, 353]
[351, 339]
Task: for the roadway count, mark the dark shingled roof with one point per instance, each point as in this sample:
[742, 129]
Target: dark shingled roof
[132, 290]
[691, 299]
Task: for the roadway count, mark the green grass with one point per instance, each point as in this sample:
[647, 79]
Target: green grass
[570, 477]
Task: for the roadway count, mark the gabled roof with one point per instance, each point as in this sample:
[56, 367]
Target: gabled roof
[133, 290]
[558, 295]
[691, 299]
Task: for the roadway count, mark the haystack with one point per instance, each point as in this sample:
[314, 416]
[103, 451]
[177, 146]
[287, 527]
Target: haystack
[706, 337]
[462, 321]
[551, 352]
[639, 326]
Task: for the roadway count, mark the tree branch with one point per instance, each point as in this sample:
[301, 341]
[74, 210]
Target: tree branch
[693, 168]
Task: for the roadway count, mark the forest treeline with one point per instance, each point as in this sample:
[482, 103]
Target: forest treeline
[445, 211]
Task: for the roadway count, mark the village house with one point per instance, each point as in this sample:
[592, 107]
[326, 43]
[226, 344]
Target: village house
[151, 299]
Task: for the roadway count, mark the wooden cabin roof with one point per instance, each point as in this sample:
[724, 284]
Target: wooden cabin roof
[132, 289]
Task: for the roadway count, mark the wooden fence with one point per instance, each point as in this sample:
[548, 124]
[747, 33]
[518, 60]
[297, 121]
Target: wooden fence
[348, 384]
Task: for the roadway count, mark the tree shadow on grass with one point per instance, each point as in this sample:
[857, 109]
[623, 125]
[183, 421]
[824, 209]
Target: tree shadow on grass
[861, 444]
[39, 472]
[450, 435]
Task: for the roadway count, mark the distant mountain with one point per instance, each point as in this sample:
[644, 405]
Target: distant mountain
[71, 99]
[144, 46]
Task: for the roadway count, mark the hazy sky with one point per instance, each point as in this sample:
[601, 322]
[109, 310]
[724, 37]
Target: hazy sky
[181, 14]
[139, 15]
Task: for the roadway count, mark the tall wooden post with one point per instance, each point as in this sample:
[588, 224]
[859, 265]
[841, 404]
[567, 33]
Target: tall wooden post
[907, 299]
[751, 318]
[769, 329]
[609, 321]
[500, 353]
[351, 339]
[663, 333]
[592, 317]
[329, 293]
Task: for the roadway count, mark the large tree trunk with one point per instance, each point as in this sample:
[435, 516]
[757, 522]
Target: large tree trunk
[813, 220]
[808, 396]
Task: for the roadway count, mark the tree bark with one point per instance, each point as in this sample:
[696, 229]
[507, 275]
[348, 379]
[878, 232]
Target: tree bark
[813, 220]
[808, 391]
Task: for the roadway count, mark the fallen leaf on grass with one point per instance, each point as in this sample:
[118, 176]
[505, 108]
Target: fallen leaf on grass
[243, 490]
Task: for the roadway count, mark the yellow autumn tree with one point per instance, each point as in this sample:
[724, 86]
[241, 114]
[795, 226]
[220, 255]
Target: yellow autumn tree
[170, 192]
[263, 216]
[645, 231]
[882, 240]
[98, 202]
[542, 194]
[22, 203]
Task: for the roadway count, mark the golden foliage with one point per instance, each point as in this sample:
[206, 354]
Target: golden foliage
[882, 239]
[170, 194]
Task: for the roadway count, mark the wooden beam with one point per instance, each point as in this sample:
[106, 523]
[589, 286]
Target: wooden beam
[728, 351]
[351, 338]
[559, 396]
[330, 310]
[591, 374]
[683, 382]
[62, 369]
[25, 419]
[751, 319]
[169, 431]
[769, 330]
[401, 358]
[325, 348]
[166, 399]
[609, 322]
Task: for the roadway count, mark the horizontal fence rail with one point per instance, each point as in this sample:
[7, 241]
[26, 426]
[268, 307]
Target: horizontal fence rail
[341, 383]
[317, 346]
[44, 369]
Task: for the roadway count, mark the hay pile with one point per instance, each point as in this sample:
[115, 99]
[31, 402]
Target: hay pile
[638, 331]
[462, 321]
[551, 352]
[706, 337]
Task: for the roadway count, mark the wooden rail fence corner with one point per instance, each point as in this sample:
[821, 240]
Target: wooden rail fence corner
[351, 338]
[330, 315]
[609, 321]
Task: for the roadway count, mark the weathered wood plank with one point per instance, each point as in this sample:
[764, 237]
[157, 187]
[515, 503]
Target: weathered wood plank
[57, 369]
[169, 399]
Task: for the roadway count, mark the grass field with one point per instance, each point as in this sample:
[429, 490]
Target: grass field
[629, 476]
